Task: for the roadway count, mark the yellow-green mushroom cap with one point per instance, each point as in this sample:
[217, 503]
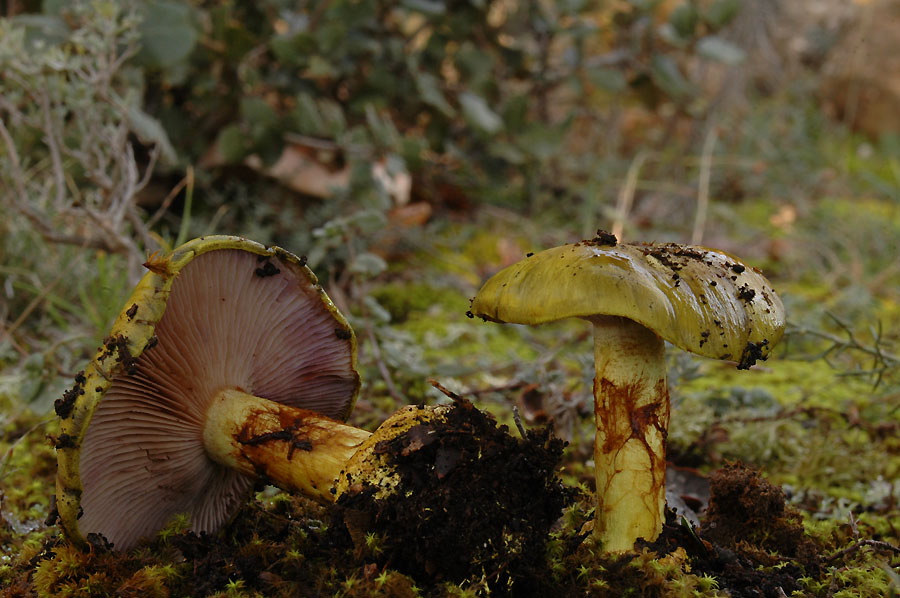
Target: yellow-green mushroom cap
[701, 300]
[216, 313]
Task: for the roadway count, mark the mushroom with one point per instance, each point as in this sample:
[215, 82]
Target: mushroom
[636, 296]
[230, 364]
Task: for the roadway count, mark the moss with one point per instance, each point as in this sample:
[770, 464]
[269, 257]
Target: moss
[403, 299]
[827, 437]
[822, 384]
[806, 424]
[279, 545]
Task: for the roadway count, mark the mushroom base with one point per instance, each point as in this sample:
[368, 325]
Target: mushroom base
[631, 405]
[294, 449]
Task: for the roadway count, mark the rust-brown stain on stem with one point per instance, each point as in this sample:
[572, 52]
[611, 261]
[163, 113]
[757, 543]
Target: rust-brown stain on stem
[297, 428]
[621, 417]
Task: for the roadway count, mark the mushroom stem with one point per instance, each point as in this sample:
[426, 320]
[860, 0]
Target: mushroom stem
[631, 405]
[294, 449]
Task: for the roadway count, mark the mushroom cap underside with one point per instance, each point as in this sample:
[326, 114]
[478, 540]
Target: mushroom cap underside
[701, 300]
[217, 312]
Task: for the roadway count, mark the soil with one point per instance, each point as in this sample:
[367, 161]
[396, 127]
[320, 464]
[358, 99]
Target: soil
[481, 510]
[749, 539]
[477, 503]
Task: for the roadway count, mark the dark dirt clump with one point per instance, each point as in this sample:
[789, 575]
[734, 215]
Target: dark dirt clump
[749, 539]
[477, 504]
[747, 513]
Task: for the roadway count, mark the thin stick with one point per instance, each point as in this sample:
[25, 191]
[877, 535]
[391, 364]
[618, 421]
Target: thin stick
[703, 185]
[453, 396]
[50, 139]
[382, 366]
[31, 306]
[186, 213]
[164, 206]
[626, 195]
[518, 419]
[876, 544]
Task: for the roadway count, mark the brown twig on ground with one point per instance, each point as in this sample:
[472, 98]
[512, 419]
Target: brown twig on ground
[518, 419]
[876, 544]
[453, 396]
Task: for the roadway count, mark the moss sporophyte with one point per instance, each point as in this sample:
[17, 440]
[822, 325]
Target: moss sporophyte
[636, 297]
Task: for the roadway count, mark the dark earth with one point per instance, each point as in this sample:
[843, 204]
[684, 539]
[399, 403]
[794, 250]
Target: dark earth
[484, 509]
[749, 539]
[478, 503]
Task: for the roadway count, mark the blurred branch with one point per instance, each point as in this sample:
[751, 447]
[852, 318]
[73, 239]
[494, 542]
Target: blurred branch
[875, 544]
[626, 195]
[709, 145]
[78, 184]
[883, 359]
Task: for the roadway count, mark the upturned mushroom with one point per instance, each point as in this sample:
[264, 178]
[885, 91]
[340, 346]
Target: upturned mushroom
[229, 365]
[636, 296]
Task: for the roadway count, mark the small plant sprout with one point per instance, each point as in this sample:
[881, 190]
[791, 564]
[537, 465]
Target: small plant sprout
[636, 297]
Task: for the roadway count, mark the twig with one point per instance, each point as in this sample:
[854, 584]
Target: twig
[703, 184]
[186, 213]
[30, 307]
[22, 351]
[453, 396]
[50, 139]
[381, 365]
[13, 155]
[626, 195]
[882, 360]
[876, 544]
[518, 419]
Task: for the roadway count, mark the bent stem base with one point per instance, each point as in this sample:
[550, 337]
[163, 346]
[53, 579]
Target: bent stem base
[294, 449]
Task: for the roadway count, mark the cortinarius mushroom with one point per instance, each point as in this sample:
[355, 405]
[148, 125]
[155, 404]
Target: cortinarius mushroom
[637, 296]
[229, 364]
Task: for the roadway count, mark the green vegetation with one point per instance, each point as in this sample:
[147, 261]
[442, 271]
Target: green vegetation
[439, 142]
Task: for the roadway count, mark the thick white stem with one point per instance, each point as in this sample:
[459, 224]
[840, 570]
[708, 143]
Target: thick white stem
[631, 405]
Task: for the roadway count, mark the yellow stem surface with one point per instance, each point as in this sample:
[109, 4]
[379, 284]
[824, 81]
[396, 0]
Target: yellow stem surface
[631, 405]
[294, 449]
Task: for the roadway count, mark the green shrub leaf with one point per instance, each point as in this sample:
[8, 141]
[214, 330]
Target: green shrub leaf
[150, 131]
[167, 33]
[477, 112]
[429, 87]
[668, 77]
[720, 50]
[721, 12]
